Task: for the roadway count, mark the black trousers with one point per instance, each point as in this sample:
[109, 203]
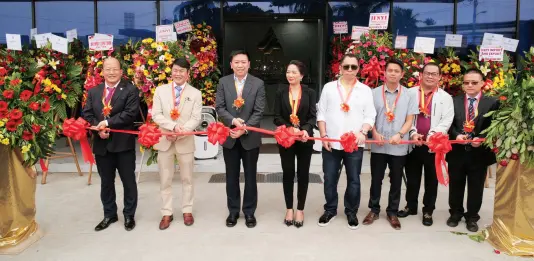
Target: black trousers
[107, 166]
[379, 162]
[460, 171]
[232, 160]
[418, 159]
[303, 152]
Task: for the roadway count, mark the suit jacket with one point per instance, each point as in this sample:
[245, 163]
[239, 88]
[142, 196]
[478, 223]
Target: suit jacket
[481, 156]
[307, 111]
[125, 103]
[190, 110]
[251, 112]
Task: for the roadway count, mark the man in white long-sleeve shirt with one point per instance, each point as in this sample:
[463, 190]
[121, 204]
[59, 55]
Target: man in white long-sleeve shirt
[346, 105]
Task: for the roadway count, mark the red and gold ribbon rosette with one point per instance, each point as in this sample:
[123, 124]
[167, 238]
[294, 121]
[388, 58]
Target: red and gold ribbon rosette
[238, 103]
[285, 136]
[217, 133]
[344, 105]
[175, 114]
[469, 126]
[76, 130]
[348, 141]
[149, 135]
[372, 72]
[439, 143]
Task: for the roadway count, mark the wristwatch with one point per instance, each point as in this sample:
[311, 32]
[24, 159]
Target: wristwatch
[364, 132]
[324, 136]
[400, 134]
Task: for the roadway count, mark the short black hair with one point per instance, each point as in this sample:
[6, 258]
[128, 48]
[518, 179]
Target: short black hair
[394, 61]
[238, 52]
[475, 71]
[349, 55]
[432, 64]
[300, 65]
[182, 62]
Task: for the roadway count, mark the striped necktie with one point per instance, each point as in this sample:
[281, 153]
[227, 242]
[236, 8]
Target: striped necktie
[177, 98]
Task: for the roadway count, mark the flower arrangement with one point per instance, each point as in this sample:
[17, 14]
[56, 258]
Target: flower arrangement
[496, 73]
[57, 79]
[451, 71]
[26, 119]
[93, 74]
[510, 134]
[204, 72]
[527, 64]
[413, 66]
[339, 46]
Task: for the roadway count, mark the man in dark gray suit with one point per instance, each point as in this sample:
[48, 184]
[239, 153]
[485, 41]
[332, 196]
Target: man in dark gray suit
[240, 102]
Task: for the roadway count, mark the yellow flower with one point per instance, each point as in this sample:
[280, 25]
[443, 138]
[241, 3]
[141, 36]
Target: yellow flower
[5, 141]
[141, 149]
[130, 71]
[46, 82]
[1, 125]
[202, 49]
[153, 90]
[151, 62]
[167, 70]
[145, 72]
[26, 148]
[127, 57]
[99, 63]
[211, 63]
[63, 96]
[148, 40]
[410, 84]
[154, 45]
[414, 63]
[445, 69]
[162, 77]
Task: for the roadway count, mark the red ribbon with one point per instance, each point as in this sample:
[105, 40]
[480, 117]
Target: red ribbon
[217, 133]
[348, 141]
[439, 143]
[76, 129]
[149, 135]
[44, 168]
[285, 136]
[372, 71]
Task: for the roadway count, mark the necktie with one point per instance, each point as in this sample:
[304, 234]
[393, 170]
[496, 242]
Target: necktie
[110, 90]
[177, 98]
[471, 109]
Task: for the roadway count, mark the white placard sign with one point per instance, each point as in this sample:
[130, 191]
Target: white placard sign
[424, 45]
[72, 34]
[13, 42]
[164, 33]
[33, 32]
[379, 21]
[357, 32]
[453, 40]
[41, 40]
[341, 27]
[401, 42]
[60, 44]
[100, 42]
[492, 40]
[510, 44]
[183, 26]
[490, 53]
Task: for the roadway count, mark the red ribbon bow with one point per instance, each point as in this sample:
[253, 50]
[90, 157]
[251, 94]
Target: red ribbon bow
[217, 133]
[439, 143]
[76, 129]
[372, 72]
[285, 136]
[348, 141]
[149, 135]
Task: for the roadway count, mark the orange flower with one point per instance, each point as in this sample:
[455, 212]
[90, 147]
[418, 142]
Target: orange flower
[390, 116]
[294, 120]
[238, 103]
[345, 107]
[503, 98]
[175, 114]
[469, 126]
[107, 110]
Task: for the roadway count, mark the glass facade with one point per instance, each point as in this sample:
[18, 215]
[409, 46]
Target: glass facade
[59, 17]
[15, 18]
[526, 25]
[196, 11]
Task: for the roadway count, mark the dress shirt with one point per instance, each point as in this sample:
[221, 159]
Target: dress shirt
[113, 87]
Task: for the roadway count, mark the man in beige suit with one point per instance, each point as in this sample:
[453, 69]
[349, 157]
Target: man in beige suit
[177, 108]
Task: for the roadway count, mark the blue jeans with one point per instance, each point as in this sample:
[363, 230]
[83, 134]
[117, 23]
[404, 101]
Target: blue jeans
[331, 169]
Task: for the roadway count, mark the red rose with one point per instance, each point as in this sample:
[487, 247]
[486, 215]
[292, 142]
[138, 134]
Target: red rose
[15, 114]
[11, 126]
[3, 71]
[3, 106]
[15, 82]
[36, 128]
[514, 157]
[27, 135]
[26, 95]
[34, 106]
[8, 94]
[45, 107]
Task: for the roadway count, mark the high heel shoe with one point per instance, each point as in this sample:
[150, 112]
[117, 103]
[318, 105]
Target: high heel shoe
[288, 222]
[299, 224]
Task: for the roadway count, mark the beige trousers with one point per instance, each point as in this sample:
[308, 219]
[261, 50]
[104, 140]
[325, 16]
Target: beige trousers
[166, 172]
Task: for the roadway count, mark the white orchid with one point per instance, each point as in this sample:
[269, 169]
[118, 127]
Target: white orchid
[159, 48]
[162, 57]
[53, 63]
[484, 69]
[40, 63]
[415, 74]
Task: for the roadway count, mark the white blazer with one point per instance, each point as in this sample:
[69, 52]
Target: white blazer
[442, 111]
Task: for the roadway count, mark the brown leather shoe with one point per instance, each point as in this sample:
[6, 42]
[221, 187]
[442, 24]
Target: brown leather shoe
[394, 222]
[188, 219]
[370, 218]
[165, 222]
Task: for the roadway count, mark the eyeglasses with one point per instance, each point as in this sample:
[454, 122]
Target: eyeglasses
[471, 83]
[346, 67]
[429, 74]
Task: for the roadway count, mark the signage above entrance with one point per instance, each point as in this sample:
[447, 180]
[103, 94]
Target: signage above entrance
[379, 21]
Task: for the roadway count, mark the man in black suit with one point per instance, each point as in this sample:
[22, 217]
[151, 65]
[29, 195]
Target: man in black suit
[114, 104]
[240, 102]
[470, 161]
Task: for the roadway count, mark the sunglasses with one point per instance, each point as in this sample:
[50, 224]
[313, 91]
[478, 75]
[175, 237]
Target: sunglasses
[346, 67]
[471, 83]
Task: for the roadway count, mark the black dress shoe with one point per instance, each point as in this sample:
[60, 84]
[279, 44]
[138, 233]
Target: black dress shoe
[406, 212]
[250, 221]
[452, 222]
[129, 223]
[427, 219]
[288, 222]
[105, 223]
[299, 224]
[231, 220]
[472, 226]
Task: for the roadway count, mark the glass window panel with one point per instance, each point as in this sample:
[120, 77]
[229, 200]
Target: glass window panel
[15, 18]
[526, 25]
[355, 13]
[476, 17]
[426, 18]
[59, 17]
[197, 11]
[276, 7]
[126, 20]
